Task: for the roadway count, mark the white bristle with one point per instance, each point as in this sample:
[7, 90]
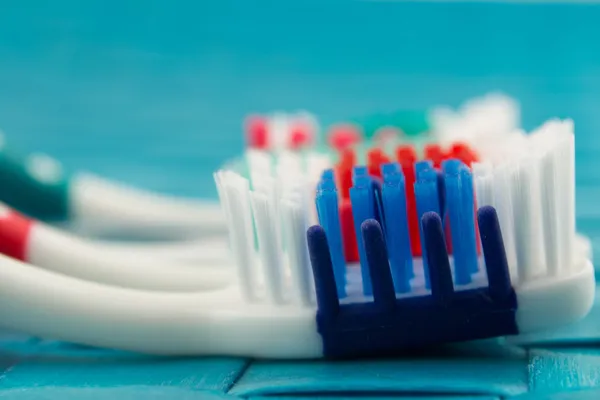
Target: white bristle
[288, 161]
[235, 191]
[259, 165]
[503, 202]
[316, 164]
[566, 154]
[483, 181]
[295, 225]
[289, 171]
[218, 177]
[488, 117]
[269, 246]
[551, 201]
[278, 126]
[527, 217]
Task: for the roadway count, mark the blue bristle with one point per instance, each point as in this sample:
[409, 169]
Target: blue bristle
[422, 166]
[459, 200]
[327, 210]
[440, 275]
[363, 208]
[323, 272]
[379, 268]
[427, 197]
[494, 254]
[359, 170]
[396, 229]
[468, 203]
[328, 174]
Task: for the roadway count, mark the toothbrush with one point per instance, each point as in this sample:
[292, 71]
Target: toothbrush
[47, 247]
[37, 186]
[279, 307]
[92, 206]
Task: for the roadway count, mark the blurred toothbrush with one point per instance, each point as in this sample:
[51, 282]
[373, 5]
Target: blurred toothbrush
[50, 248]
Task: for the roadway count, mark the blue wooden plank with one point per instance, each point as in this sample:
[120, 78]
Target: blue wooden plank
[483, 368]
[123, 393]
[593, 394]
[110, 371]
[559, 370]
[376, 397]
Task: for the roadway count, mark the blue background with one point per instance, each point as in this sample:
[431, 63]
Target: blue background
[153, 93]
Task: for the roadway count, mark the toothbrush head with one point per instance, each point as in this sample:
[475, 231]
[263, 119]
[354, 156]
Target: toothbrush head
[418, 248]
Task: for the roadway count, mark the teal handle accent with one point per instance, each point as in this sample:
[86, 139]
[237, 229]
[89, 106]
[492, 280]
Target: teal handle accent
[412, 122]
[21, 189]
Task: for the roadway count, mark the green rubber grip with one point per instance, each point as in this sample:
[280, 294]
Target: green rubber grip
[33, 191]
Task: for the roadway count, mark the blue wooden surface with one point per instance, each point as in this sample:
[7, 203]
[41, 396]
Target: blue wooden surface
[153, 93]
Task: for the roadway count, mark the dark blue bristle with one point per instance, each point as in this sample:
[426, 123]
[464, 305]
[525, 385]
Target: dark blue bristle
[440, 275]
[379, 267]
[494, 253]
[320, 259]
[379, 212]
[441, 194]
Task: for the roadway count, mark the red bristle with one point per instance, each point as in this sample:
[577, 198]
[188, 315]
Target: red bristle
[375, 158]
[348, 232]
[344, 179]
[463, 152]
[434, 153]
[348, 157]
[406, 155]
[257, 132]
[411, 209]
[300, 135]
[344, 172]
[344, 136]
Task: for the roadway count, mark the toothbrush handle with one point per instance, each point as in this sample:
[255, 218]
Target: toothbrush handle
[34, 185]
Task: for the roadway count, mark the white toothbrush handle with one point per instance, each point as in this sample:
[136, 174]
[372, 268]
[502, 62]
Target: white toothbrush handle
[100, 207]
[47, 304]
[51, 249]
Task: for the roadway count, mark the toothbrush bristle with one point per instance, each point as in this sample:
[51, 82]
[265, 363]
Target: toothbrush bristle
[295, 225]
[235, 199]
[257, 132]
[344, 136]
[529, 237]
[375, 159]
[269, 246]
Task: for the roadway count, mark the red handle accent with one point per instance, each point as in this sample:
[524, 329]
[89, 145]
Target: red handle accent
[14, 234]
